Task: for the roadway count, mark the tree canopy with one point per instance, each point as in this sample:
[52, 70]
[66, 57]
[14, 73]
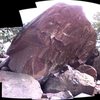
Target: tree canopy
[6, 35]
[96, 21]
[96, 25]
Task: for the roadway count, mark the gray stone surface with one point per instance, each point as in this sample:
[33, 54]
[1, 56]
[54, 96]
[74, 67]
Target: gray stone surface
[78, 82]
[17, 85]
[60, 95]
[81, 95]
[72, 80]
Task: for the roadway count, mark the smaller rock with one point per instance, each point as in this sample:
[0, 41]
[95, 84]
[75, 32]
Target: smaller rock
[44, 96]
[3, 55]
[97, 88]
[88, 70]
[96, 65]
[4, 62]
[82, 95]
[98, 82]
[60, 95]
[17, 85]
[78, 82]
[72, 80]
[5, 68]
[2, 59]
[55, 98]
[53, 85]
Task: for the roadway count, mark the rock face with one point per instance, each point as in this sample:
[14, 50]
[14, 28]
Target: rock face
[17, 85]
[96, 65]
[97, 88]
[61, 34]
[81, 95]
[88, 70]
[72, 80]
[60, 95]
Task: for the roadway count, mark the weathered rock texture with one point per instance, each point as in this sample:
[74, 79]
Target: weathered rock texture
[15, 85]
[72, 80]
[96, 65]
[60, 95]
[88, 70]
[82, 95]
[61, 34]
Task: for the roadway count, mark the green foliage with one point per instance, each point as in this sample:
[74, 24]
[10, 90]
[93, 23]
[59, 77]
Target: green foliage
[96, 25]
[7, 35]
[96, 22]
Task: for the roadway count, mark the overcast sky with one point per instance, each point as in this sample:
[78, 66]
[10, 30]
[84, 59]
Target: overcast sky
[28, 14]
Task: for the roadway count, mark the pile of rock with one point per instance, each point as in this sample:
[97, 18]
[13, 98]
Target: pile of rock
[17, 85]
[68, 85]
[56, 52]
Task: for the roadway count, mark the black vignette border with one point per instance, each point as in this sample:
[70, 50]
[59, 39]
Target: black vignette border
[9, 11]
[10, 17]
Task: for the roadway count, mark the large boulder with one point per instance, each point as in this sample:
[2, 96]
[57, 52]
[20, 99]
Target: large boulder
[61, 34]
[17, 85]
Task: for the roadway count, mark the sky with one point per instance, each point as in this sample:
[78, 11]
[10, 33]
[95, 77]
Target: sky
[29, 14]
